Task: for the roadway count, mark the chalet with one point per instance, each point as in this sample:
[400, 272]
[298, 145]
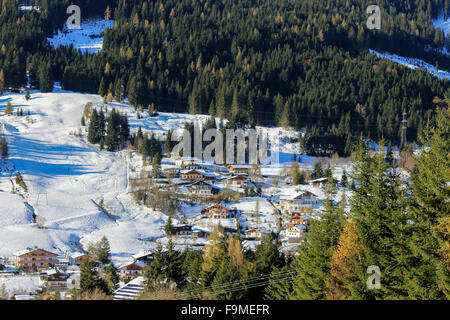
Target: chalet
[201, 233]
[144, 257]
[297, 219]
[55, 280]
[188, 163]
[319, 183]
[257, 233]
[78, 258]
[295, 232]
[218, 211]
[203, 188]
[238, 170]
[305, 199]
[192, 175]
[182, 230]
[131, 270]
[238, 181]
[31, 259]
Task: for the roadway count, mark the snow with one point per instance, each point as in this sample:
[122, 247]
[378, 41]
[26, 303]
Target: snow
[20, 284]
[413, 63]
[87, 39]
[443, 23]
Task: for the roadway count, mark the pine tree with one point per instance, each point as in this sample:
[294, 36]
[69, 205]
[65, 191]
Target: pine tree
[46, 77]
[429, 276]
[112, 132]
[93, 127]
[89, 278]
[111, 277]
[104, 251]
[3, 148]
[378, 205]
[156, 166]
[312, 266]
[102, 88]
[169, 227]
[168, 145]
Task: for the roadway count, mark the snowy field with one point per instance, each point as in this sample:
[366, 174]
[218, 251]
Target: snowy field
[87, 39]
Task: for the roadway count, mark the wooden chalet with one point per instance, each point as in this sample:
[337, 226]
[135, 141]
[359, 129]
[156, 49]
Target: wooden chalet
[35, 258]
[218, 211]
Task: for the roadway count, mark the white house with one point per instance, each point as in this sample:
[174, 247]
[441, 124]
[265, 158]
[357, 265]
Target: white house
[303, 200]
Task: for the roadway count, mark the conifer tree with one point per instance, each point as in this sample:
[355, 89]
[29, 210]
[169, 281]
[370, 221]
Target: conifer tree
[3, 148]
[45, 78]
[2, 81]
[93, 127]
[312, 266]
[8, 109]
[343, 277]
[429, 276]
[111, 277]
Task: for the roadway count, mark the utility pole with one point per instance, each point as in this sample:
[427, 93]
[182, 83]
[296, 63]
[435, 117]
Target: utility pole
[404, 127]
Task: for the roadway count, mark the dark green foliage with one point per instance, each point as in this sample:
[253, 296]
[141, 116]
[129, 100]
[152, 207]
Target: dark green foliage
[3, 148]
[429, 276]
[90, 279]
[312, 266]
[111, 277]
[117, 132]
[242, 61]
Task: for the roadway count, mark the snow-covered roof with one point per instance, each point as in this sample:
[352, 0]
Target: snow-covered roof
[77, 255]
[142, 254]
[138, 263]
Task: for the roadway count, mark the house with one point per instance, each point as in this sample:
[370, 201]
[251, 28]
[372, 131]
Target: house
[32, 259]
[218, 211]
[144, 257]
[203, 188]
[295, 232]
[171, 172]
[198, 233]
[319, 183]
[303, 200]
[297, 219]
[192, 175]
[182, 230]
[78, 258]
[238, 181]
[55, 280]
[238, 170]
[131, 270]
[257, 233]
[188, 163]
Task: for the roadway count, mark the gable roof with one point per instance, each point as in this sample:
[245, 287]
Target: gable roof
[29, 250]
[219, 206]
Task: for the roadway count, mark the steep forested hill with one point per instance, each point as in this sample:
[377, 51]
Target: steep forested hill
[288, 63]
